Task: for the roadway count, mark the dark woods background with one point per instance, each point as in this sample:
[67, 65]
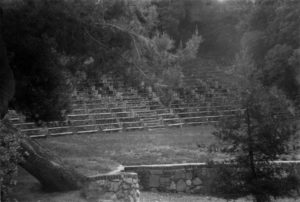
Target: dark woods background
[48, 41]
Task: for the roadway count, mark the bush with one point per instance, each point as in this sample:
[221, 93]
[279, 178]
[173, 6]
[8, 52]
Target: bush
[9, 145]
[254, 138]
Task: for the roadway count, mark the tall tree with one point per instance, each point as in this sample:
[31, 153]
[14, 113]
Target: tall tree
[272, 37]
[254, 138]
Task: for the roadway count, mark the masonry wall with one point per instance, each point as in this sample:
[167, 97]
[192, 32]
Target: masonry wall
[188, 178]
[113, 187]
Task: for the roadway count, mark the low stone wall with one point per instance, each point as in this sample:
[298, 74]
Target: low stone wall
[121, 187]
[189, 178]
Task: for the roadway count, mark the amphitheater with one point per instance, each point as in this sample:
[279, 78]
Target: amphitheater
[111, 105]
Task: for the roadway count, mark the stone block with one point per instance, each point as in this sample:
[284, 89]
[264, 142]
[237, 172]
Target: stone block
[101, 182]
[156, 172]
[181, 186]
[188, 182]
[154, 181]
[172, 186]
[93, 191]
[135, 186]
[114, 186]
[168, 173]
[164, 181]
[198, 173]
[189, 176]
[197, 181]
[128, 180]
[125, 186]
[197, 190]
[179, 174]
[120, 194]
[204, 172]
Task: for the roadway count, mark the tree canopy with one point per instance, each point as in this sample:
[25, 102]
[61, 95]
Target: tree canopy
[272, 38]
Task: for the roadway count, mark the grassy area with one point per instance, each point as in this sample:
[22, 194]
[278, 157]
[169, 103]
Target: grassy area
[100, 153]
[104, 152]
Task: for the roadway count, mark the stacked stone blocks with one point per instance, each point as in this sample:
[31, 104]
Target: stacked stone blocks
[192, 178]
[122, 187]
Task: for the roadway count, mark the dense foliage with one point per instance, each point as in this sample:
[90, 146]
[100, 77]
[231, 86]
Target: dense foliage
[254, 138]
[48, 43]
[261, 132]
[272, 38]
[8, 157]
[218, 23]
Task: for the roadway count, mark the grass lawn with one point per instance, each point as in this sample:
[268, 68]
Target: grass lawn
[104, 152]
[101, 153]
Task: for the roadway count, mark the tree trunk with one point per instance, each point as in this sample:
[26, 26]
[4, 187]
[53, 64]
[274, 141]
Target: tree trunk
[47, 168]
[38, 161]
[7, 82]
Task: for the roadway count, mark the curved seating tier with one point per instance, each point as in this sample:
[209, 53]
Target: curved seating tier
[110, 105]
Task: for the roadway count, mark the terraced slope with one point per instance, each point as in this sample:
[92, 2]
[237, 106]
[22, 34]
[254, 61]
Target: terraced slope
[110, 106]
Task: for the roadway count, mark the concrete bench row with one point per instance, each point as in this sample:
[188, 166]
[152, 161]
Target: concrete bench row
[124, 108]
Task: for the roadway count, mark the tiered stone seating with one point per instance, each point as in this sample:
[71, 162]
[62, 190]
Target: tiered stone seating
[206, 96]
[109, 105]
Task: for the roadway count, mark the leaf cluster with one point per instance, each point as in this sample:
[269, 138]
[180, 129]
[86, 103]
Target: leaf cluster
[272, 38]
[254, 138]
[9, 157]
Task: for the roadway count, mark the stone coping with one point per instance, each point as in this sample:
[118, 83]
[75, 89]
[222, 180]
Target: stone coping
[166, 165]
[113, 176]
[178, 165]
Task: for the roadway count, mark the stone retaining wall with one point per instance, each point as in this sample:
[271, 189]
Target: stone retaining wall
[121, 187]
[189, 178]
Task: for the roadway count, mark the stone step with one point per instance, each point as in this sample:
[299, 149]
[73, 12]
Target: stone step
[155, 126]
[88, 132]
[61, 134]
[25, 125]
[168, 116]
[171, 121]
[150, 119]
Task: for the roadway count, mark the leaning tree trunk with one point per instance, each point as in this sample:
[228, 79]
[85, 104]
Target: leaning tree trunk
[41, 163]
[38, 161]
[47, 168]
